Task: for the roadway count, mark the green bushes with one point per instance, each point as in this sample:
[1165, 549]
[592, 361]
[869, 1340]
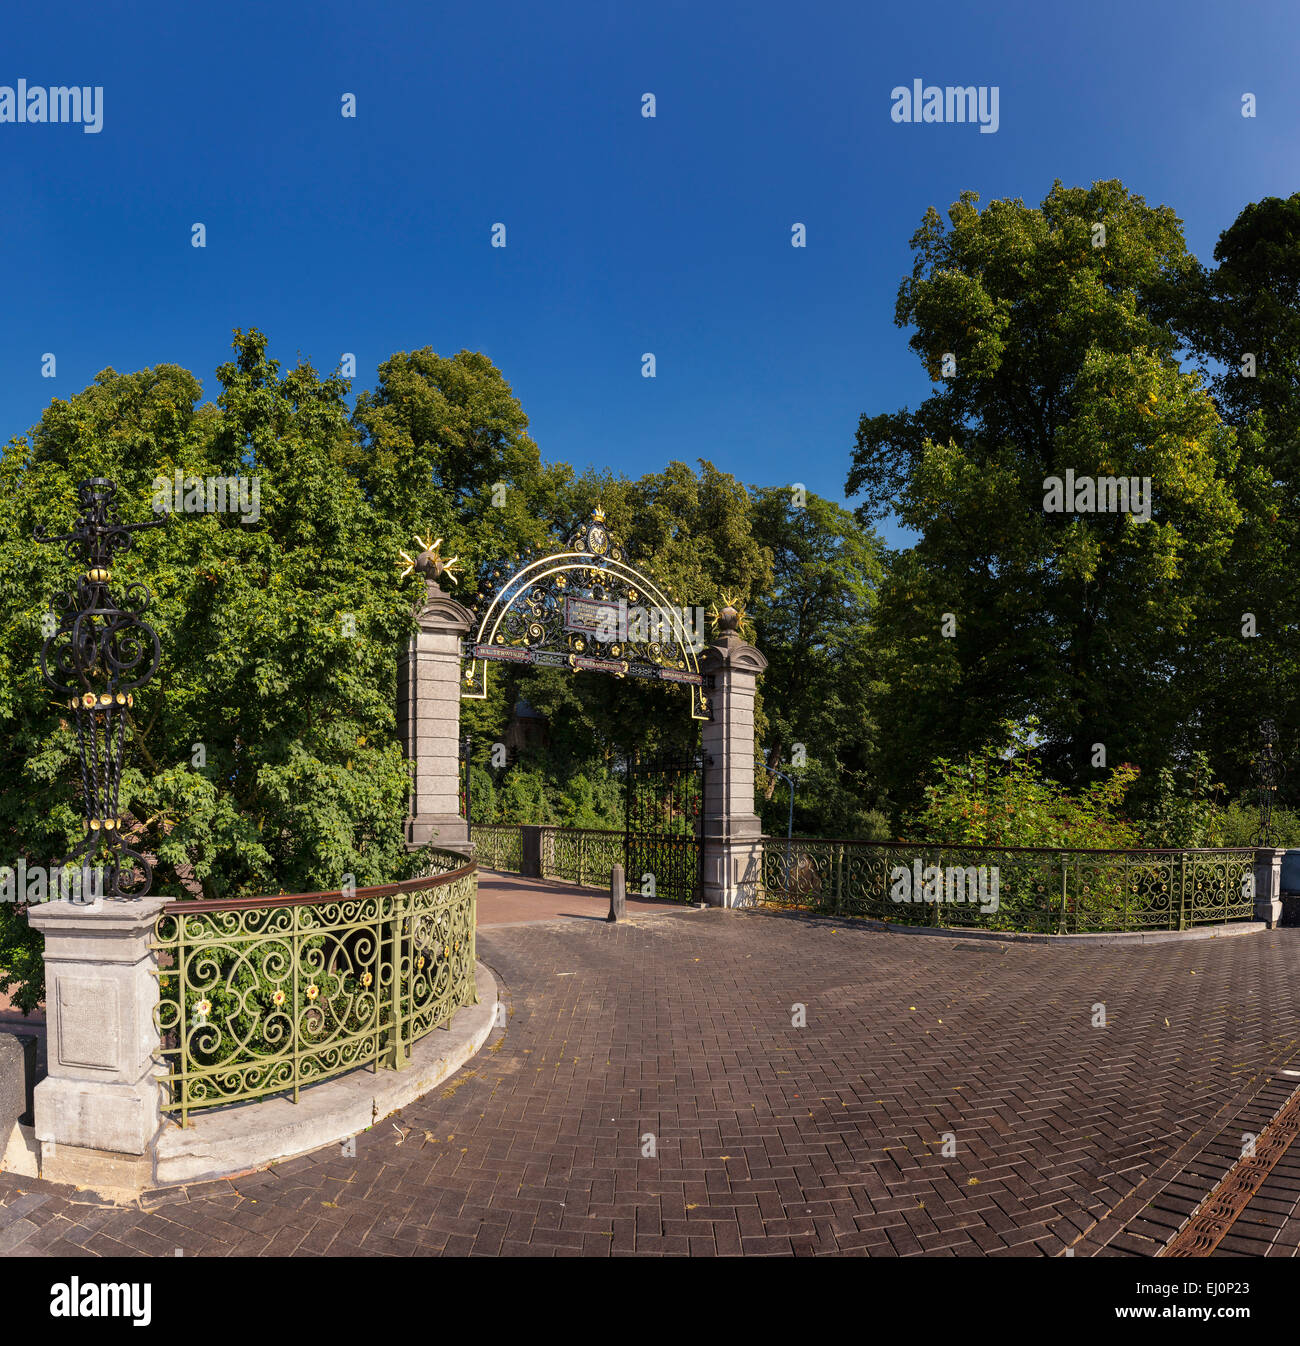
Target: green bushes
[528, 794]
[999, 796]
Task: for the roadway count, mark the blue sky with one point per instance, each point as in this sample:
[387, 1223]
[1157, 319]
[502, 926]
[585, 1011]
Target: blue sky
[624, 234]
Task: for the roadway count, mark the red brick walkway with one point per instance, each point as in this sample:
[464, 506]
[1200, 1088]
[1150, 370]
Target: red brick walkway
[942, 1098]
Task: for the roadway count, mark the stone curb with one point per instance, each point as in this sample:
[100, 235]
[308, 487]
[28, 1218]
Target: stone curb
[1015, 937]
[225, 1142]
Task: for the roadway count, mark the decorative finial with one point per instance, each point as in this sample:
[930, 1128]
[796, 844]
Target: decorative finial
[430, 561]
[729, 619]
[598, 514]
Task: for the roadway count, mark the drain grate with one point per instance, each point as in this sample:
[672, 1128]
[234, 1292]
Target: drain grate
[1212, 1221]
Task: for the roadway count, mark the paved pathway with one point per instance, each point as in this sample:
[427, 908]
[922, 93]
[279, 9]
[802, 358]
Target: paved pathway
[507, 899]
[775, 1139]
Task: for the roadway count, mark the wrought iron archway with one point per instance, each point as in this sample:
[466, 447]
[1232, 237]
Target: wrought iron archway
[585, 608]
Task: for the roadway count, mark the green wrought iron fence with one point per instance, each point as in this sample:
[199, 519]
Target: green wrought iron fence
[264, 995]
[582, 855]
[499, 846]
[1028, 889]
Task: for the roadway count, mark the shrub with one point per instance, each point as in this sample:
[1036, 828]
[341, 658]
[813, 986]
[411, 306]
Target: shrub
[999, 796]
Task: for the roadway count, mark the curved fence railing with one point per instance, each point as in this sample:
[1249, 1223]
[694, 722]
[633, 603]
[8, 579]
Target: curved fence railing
[1033, 890]
[264, 995]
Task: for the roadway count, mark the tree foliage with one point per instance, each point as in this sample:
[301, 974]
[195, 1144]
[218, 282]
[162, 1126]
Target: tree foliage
[1004, 610]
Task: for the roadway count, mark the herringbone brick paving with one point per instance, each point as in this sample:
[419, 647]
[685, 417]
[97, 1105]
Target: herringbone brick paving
[945, 1098]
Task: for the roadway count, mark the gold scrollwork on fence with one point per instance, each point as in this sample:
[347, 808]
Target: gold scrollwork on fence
[265, 995]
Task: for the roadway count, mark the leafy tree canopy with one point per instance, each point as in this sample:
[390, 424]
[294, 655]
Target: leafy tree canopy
[1004, 610]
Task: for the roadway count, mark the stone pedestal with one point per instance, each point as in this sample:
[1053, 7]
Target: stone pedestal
[428, 721]
[732, 831]
[100, 1092]
[1268, 885]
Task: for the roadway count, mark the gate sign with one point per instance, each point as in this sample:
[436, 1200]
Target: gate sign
[589, 617]
[569, 609]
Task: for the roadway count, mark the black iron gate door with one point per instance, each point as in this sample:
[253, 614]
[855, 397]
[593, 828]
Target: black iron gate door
[663, 854]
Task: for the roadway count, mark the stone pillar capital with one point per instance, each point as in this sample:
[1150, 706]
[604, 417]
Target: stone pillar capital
[107, 926]
[729, 653]
[441, 612]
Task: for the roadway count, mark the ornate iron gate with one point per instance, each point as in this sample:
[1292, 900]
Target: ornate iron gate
[664, 812]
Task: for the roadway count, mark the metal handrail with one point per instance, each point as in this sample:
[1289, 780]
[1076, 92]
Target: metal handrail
[201, 904]
[1041, 888]
[1046, 850]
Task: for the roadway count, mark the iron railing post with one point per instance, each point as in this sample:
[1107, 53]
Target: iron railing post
[182, 974]
[1182, 890]
[395, 1046]
[295, 943]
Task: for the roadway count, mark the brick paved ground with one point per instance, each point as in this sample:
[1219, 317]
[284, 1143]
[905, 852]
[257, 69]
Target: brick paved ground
[773, 1139]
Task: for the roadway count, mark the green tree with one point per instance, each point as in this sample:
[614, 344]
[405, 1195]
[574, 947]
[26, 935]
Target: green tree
[1004, 610]
[1242, 319]
[1183, 809]
[279, 641]
[812, 625]
[999, 795]
[442, 450]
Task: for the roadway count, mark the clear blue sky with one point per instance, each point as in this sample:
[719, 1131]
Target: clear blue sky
[625, 234]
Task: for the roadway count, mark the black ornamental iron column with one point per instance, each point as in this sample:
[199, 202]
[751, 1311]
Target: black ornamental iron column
[101, 653]
[1268, 858]
[1267, 774]
[96, 1112]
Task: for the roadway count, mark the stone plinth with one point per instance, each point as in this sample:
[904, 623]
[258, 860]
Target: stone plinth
[100, 1092]
[1268, 885]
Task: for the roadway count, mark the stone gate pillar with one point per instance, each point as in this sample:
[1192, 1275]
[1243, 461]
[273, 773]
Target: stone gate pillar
[428, 715]
[732, 831]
